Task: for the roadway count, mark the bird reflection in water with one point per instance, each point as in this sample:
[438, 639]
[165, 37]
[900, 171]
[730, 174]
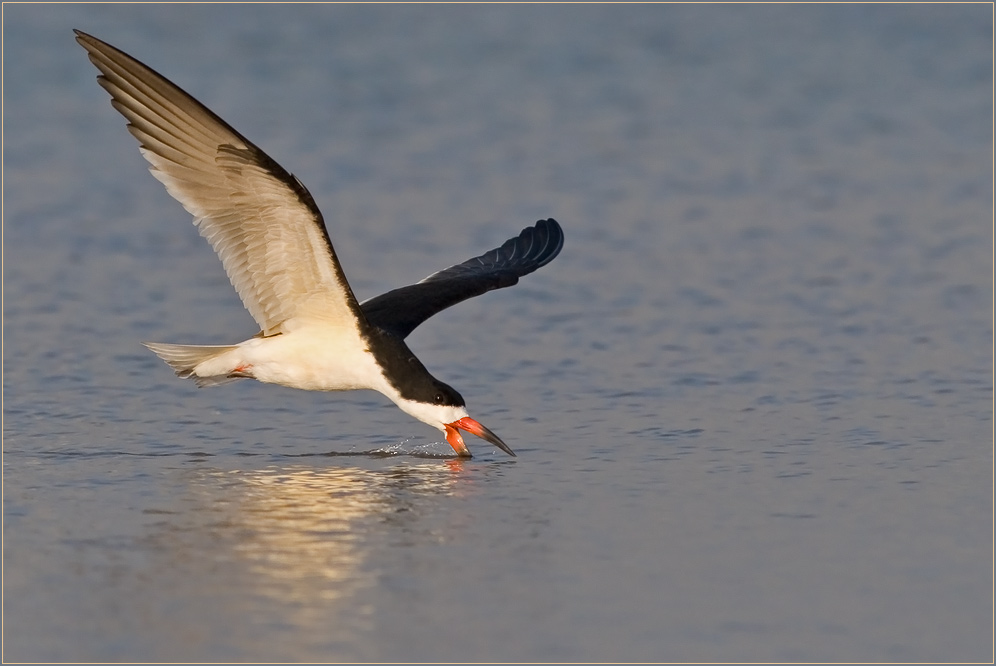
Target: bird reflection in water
[306, 534]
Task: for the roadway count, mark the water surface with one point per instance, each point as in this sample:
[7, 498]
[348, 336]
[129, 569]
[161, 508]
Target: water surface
[752, 399]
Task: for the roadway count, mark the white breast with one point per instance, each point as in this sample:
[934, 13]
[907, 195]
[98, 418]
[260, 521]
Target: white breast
[314, 357]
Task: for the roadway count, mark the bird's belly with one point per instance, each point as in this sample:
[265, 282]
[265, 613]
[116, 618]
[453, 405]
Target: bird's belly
[313, 360]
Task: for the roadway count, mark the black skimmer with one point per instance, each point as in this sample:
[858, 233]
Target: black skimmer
[269, 234]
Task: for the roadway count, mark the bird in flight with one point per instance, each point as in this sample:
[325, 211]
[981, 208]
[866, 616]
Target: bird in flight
[271, 238]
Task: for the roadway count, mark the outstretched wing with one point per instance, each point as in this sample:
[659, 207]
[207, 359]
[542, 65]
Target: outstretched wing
[400, 311]
[260, 220]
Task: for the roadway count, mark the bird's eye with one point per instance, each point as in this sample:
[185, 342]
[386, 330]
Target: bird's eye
[438, 399]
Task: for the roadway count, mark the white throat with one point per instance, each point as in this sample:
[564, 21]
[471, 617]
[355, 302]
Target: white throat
[435, 415]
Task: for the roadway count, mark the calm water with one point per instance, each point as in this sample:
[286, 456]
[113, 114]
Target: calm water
[752, 399]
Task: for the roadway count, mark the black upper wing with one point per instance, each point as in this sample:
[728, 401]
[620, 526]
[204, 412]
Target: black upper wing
[400, 311]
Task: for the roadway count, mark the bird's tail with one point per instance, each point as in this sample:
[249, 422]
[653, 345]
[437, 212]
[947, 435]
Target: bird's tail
[184, 359]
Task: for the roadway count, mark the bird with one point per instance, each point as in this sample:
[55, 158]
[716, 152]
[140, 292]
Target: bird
[272, 240]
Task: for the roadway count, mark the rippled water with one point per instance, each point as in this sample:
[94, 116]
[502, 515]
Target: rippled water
[752, 399]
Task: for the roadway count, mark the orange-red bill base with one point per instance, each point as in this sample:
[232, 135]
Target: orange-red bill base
[474, 428]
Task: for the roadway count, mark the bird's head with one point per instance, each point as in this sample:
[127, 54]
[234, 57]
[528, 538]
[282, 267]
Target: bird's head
[444, 408]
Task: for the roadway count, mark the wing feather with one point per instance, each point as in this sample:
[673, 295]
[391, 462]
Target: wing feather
[400, 311]
[260, 220]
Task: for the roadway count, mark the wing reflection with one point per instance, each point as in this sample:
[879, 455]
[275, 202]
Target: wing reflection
[306, 534]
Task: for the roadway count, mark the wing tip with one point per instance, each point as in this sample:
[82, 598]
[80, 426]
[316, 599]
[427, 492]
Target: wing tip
[88, 41]
[550, 241]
